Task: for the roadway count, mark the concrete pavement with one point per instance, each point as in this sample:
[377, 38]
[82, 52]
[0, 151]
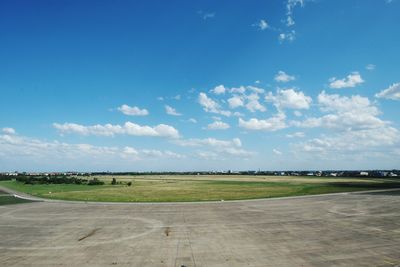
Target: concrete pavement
[357, 229]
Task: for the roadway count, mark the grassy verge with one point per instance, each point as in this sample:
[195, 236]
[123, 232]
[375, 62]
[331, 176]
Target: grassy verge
[181, 189]
[7, 200]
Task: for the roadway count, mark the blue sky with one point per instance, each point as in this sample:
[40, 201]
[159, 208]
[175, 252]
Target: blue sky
[205, 85]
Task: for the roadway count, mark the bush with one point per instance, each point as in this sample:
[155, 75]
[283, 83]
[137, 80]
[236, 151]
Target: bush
[114, 181]
[129, 183]
[95, 181]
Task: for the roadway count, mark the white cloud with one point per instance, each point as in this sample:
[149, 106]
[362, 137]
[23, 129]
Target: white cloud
[289, 98]
[218, 125]
[352, 80]
[8, 130]
[235, 101]
[271, 124]
[281, 76]
[392, 92]
[370, 67]
[276, 152]
[209, 105]
[297, 113]
[355, 112]
[212, 142]
[255, 89]
[192, 120]
[133, 111]
[238, 114]
[353, 141]
[171, 111]
[253, 105]
[289, 21]
[261, 25]
[65, 155]
[129, 128]
[220, 89]
[290, 5]
[288, 36]
[130, 151]
[208, 16]
[296, 135]
[238, 90]
[219, 148]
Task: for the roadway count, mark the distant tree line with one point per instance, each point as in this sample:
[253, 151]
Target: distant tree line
[60, 179]
[4, 177]
[338, 173]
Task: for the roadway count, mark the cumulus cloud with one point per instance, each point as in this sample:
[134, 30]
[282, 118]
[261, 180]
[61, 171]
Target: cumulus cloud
[171, 111]
[355, 112]
[133, 111]
[352, 80]
[253, 104]
[281, 76]
[218, 125]
[274, 123]
[255, 89]
[392, 92]
[129, 128]
[238, 90]
[220, 89]
[209, 105]
[8, 130]
[289, 98]
[235, 101]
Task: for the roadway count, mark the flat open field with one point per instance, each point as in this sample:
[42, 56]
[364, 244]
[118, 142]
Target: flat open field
[200, 188]
[351, 229]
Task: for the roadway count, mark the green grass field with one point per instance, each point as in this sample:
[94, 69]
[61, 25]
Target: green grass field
[200, 188]
[7, 199]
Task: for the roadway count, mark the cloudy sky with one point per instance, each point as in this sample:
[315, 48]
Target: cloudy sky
[199, 85]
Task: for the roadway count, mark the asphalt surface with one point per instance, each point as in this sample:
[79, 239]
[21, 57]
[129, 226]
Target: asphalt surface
[355, 229]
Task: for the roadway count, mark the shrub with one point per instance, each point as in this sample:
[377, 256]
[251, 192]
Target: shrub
[95, 181]
[114, 181]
